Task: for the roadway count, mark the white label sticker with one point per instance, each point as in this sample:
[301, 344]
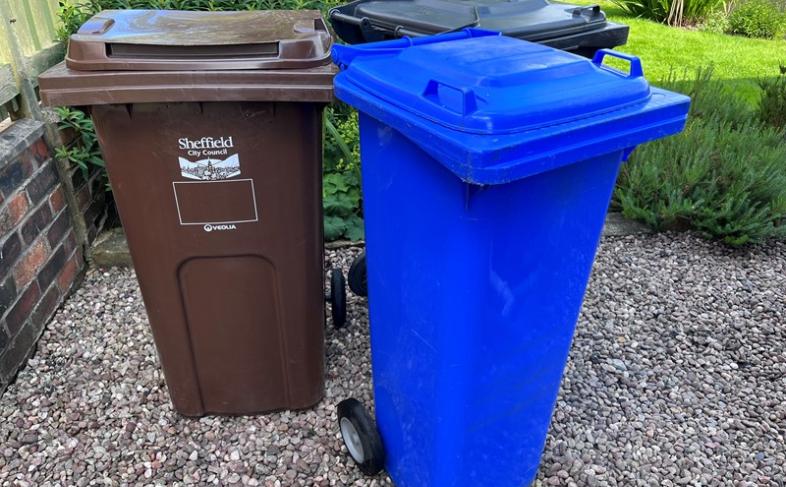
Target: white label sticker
[215, 198]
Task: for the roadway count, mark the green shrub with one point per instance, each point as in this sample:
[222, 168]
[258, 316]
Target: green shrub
[341, 183]
[757, 18]
[84, 152]
[723, 176]
[672, 12]
[718, 20]
[772, 106]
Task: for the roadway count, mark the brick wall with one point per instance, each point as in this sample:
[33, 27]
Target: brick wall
[92, 199]
[41, 255]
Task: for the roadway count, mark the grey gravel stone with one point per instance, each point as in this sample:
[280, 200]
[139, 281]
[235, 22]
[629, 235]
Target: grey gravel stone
[677, 376]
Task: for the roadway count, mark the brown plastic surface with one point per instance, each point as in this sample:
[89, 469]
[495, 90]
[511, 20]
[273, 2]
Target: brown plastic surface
[61, 86]
[217, 178]
[228, 252]
[166, 40]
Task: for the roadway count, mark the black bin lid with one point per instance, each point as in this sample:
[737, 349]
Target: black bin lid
[532, 20]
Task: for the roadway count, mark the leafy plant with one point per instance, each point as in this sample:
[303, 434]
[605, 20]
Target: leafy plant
[724, 176]
[72, 15]
[757, 18]
[341, 182]
[341, 200]
[672, 12]
[84, 152]
[717, 21]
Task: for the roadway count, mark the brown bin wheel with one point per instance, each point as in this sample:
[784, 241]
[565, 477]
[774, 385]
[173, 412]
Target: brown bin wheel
[338, 298]
[361, 437]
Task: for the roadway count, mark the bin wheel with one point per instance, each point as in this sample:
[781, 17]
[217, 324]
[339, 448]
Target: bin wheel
[338, 298]
[358, 276]
[361, 437]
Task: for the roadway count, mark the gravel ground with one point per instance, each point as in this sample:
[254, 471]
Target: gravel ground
[677, 377]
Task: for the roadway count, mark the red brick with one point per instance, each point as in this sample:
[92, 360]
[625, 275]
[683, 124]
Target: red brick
[28, 266]
[14, 174]
[68, 274]
[57, 201]
[11, 249]
[41, 150]
[46, 306]
[21, 310]
[58, 229]
[17, 352]
[12, 214]
[69, 244]
[42, 183]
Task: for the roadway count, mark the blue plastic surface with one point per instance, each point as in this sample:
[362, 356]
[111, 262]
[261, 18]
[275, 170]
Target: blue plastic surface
[578, 130]
[475, 289]
[475, 84]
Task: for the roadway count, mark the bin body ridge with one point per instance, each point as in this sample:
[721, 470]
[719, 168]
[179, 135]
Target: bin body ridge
[472, 314]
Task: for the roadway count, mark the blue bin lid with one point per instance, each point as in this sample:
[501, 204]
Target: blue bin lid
[495, 109]
[481, 82]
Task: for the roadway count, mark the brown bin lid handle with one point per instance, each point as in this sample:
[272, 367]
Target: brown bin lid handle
[297, 39]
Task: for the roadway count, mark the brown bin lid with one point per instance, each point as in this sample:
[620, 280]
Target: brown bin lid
[149, 56]
[163, 40]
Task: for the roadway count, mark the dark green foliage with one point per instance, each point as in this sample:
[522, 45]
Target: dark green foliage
[757, 18]
[724, 176]
[84, 152]
[341, 183]
[673, 12]
[341, 197]
[648, 9]
[772, 106]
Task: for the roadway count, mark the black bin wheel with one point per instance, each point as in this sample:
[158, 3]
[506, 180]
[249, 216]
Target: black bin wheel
[358, 277]
[338, 298]
[361, 437]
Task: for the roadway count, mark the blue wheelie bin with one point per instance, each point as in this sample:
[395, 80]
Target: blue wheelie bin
[488, 164]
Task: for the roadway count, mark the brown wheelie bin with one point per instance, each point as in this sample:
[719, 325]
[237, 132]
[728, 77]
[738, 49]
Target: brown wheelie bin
[211, 127]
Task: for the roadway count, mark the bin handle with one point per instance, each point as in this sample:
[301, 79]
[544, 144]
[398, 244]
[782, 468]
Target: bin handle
[344, 55]
[465, 104]
[636, 70]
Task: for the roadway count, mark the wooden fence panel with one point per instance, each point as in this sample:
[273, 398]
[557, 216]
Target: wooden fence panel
[28, 46]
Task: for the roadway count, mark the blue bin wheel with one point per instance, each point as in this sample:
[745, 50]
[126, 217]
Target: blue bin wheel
[358, 278]
[338, 298]
[361, 437]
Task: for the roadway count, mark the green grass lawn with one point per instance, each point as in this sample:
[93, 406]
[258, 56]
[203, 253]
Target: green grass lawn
[663, 48]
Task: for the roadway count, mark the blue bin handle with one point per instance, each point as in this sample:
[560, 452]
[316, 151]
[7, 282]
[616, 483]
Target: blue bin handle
[636, 70]
[344, 55]
[464, 105]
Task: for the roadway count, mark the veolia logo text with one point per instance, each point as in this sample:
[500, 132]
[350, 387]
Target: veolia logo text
[209, 227]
